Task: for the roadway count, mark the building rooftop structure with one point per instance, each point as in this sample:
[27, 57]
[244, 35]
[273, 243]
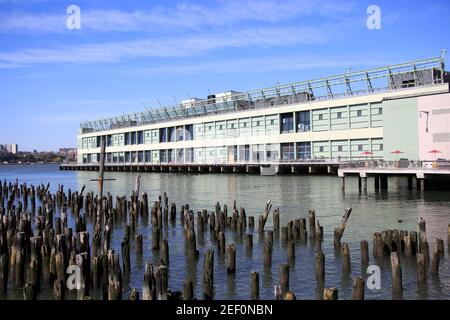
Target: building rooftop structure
[411, 74]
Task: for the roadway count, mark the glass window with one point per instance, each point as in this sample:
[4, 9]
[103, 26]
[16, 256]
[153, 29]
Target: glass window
[359, 113]
[304, 150]
[321, 116]
[287, 122]
[303, 121]
[287, 151]
[339, 115]
[163, 135]
[360, 147]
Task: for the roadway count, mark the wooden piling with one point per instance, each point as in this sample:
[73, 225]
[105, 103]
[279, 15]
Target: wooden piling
[358, 288]
[284, 278]
[254, 285]
[421, 268]
[267, 254]
[346, 262]
[231, 259]
[320, 266]
[330, 294]
[312, 224]
[364, 248]
[208, 275]
[396, 272]
[164, 254]
[436, 256]
[291, 253]
[188, 290]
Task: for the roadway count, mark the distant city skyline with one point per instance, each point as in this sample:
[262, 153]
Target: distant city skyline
[128, 56]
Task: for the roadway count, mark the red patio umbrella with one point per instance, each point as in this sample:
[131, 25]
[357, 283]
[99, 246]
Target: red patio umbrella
[397, 152]
[435, 152]
[366, 153]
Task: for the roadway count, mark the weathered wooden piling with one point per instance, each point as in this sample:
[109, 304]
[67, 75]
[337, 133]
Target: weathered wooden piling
[440, 247]
[59, 290]
[330, 294]
[396, 272]
[4, 273]
[164, 254]
[161, 280]
[231, 259]
[364, 250]
[29, 292]
[358, 288]
[149, 289]
[378, 250]
[267, 254]
[436, 257]
[284, 278]
[188, 290]
[249, 244]
[208, 275]
[221, 243]
[320, 266]
[254, 285]
[139, 244]
[421, 268]
[276, 219]
[339, 231]
[312, 224]
[291, 253]
[346, 262]
[156, 234]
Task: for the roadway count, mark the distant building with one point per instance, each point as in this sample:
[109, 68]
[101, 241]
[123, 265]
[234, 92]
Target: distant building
[69, 153]
[10, 148]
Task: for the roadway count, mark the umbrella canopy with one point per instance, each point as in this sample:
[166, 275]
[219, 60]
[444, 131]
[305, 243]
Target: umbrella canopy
[435, 152]
[397, 152]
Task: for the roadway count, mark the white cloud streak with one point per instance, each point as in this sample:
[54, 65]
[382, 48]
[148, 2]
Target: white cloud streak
[166, 47]
[180, 17]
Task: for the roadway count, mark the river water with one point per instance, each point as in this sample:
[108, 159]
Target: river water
[398, 208]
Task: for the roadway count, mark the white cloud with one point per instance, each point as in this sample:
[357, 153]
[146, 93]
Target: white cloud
[174, 18]
[166, 46]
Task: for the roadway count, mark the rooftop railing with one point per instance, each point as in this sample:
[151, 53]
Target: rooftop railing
[412, 74]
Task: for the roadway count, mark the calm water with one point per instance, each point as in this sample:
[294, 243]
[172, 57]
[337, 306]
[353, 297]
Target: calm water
[294, 195]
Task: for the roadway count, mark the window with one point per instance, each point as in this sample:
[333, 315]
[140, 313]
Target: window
[304, 150]
[340, 148]
[303, 121]
[287, 123]
[221, 127]
[133, 138]
[381, 147]
[272, 122]
[359, 113]
[232, 126]
[339, 115]
[258, 123]
[380, 110]
[321, 149]
[360, 147]
[320, 116]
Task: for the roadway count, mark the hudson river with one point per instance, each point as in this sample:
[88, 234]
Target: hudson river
[294, 195]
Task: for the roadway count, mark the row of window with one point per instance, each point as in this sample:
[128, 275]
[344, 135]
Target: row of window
[291, 122]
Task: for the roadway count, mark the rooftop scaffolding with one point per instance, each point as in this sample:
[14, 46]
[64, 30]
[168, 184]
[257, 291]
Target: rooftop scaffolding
[410, 74]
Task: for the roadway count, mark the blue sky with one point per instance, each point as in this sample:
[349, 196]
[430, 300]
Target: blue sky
[129, 55]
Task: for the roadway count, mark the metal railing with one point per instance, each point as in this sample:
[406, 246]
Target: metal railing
[334, 87]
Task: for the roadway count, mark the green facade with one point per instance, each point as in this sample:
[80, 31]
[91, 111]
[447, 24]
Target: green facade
[400, 129]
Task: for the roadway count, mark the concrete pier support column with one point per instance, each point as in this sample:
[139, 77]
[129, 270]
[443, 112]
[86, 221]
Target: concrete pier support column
[364, 184]
[293, 169]
[343, 184]
[410, 182]
[420, 184]
[359, 184]
[377, 183]
[384, 182]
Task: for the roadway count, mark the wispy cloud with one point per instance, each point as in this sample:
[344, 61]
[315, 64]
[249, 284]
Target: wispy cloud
[166, 47]
[182, 16]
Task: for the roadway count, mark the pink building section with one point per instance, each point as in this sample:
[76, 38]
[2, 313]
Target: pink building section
[434, 127]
